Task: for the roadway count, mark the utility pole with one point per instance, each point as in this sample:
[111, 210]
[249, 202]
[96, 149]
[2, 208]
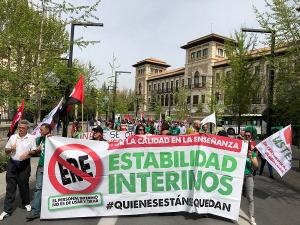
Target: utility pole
[115, 92]
[271, 74]
[70, 65]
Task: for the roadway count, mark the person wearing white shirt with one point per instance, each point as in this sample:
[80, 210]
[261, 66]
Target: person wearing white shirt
[182, 128]
[18, 168]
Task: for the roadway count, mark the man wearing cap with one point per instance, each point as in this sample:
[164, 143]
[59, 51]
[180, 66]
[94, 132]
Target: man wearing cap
[98, 134]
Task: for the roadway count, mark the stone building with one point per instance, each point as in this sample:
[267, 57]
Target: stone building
[154, 82]
[205, 64]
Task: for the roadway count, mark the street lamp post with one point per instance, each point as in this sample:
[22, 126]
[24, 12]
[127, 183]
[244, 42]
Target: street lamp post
[271, 74]
[106, 99]
[169, 108]
[137, 104]
[70, 64]
[115, 92]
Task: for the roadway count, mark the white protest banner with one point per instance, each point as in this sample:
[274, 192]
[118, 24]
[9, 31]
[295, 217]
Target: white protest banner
[110, 135]
[209, 119]
[48, 119]
[276, 149]
[143, 174]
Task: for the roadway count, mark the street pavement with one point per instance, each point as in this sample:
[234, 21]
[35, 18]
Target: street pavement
[276, 203]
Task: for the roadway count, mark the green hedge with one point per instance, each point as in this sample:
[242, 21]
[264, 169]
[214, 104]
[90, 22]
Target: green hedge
[3, 161]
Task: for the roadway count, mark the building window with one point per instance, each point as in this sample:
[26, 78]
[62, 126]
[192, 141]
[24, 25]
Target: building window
[188, 100]
[257, 70]
[256, 98]
[140, 88]
[195, 99]
[149, 101]
[199, 54]
[203, 98]
[172, 85]
[149, 87]
[162, 98]
[176, 85]
[154, 87]
[189, 83]
[205, 52]
[193, 55]
[158, 87]
[196, 79]
[182, 82]
[218, 97]
[166, 100]
[171, 99]
[156, 70]
[160, 71]
[218, 77]
[220, 52]
[203, 81]
[162, 87]
[167, 86]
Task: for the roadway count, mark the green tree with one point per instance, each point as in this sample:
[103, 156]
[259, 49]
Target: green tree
[33, 37]
[282, 17]
[181, 105]
[241, 83]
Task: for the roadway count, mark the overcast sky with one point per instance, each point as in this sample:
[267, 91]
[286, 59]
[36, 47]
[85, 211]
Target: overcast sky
[138, 29]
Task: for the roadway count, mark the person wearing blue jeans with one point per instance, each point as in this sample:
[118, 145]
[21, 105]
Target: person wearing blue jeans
[262, 165]
[45, 131]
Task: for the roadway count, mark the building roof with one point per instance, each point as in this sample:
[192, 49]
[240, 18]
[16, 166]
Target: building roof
[205, 39]
[167, 73]
[153, 61]
[255, 54]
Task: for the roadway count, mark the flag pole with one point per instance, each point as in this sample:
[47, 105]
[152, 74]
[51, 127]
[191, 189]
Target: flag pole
[82, 115]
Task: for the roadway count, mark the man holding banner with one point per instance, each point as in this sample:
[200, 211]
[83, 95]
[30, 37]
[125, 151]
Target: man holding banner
[45, 130]
[18, 168]
[248, 187]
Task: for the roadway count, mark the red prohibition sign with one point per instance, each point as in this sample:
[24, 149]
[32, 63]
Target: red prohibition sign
[94, 181]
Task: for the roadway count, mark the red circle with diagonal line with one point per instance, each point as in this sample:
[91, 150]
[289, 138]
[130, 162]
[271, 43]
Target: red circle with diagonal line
[55, 159]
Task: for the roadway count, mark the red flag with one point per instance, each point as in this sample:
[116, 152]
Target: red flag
[17, 118]
[288, 135]
[77, 95]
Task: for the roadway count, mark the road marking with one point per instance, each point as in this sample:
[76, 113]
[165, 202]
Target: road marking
[243, 218]
[108, 221]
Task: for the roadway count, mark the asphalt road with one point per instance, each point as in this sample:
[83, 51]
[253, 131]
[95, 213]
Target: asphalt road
[275, 204]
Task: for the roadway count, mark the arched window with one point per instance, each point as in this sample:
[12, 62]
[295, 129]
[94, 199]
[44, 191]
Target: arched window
[203, 80]
[196, 79]
[140, 88]
[162, 98]
[166, 100]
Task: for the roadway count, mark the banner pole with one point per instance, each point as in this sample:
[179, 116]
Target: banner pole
[82, 115]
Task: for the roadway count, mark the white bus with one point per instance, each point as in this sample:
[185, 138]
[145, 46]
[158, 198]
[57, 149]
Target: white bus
[229, 123]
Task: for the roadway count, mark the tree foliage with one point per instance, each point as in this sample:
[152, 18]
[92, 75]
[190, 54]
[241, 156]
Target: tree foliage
[181, 105]
[33, 37]
[282, 17]
[241, 82]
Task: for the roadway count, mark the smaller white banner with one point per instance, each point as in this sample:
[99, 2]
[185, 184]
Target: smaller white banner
[111, 135]
[276, 149]
[209, 119]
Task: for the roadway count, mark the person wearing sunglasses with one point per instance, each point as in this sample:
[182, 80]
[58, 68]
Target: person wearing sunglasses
[251, 166]
[140, 129]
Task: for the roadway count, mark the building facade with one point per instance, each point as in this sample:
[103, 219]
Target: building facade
[205, 64]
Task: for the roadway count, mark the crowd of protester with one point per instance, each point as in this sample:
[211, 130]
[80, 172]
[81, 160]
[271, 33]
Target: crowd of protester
[19, 164]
